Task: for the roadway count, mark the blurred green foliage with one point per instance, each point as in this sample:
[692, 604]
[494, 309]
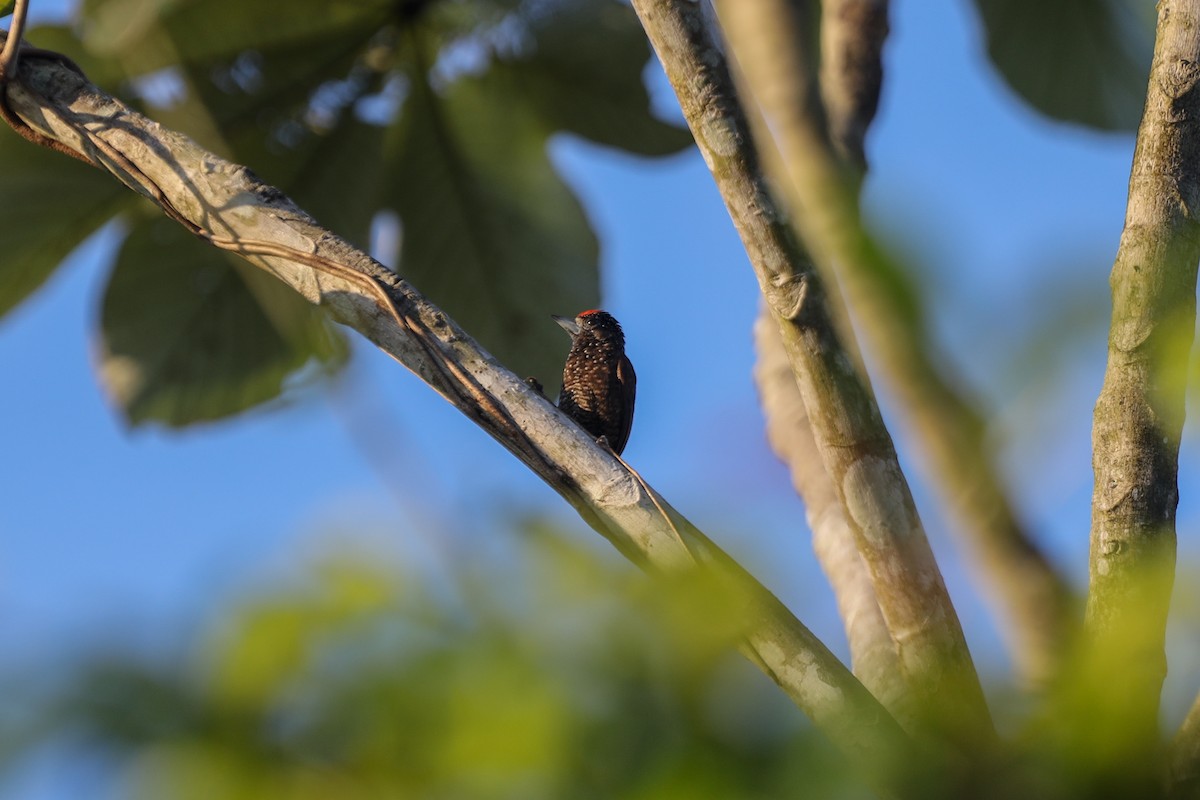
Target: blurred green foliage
[553, 671]
[438, 112]
[559, 674]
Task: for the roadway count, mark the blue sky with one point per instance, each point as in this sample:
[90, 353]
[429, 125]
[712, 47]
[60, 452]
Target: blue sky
[1011, 222]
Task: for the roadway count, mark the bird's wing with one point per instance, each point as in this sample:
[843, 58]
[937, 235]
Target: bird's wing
[627, 378]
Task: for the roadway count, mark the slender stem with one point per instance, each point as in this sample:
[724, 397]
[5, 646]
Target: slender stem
[11, 54]
[854, 443]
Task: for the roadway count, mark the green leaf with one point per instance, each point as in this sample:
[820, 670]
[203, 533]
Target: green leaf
[48, 205]
[1082, 61]
[148, 35]
[582, 72]
[334, 174]
[63, 39]
[340, 180]
[490, 231]
[191, 334]
[256, 92]
[6, 7]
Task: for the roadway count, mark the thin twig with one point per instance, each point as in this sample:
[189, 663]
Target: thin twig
[10, 56]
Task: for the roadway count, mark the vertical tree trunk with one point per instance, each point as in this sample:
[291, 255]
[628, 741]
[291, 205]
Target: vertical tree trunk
[1139, 414]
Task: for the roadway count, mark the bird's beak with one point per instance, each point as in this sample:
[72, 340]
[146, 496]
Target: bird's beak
[569, 325]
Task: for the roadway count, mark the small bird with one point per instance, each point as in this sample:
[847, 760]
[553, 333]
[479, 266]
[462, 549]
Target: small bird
[599, 384]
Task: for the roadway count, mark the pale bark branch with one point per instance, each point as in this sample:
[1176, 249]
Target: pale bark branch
[1034, 600]
[224, 204]
[873, 654]
[1139, 414]
[852, 35]
[854, 444]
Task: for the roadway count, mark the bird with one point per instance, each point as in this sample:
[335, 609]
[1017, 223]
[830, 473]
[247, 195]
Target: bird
[599, 385]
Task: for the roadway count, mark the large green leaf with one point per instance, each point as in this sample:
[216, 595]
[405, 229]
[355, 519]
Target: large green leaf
[100, 70]
[48, 205]
[342, 178]
[253, 95]
[189, 333]
[148, 35]
[582, 72]
[490, 231]
[1081, 61]
[332, 169]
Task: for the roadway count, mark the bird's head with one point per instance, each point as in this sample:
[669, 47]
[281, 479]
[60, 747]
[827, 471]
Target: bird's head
[598, 323]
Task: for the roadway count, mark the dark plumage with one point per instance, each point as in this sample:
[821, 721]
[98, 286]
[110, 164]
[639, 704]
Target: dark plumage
[599, 384]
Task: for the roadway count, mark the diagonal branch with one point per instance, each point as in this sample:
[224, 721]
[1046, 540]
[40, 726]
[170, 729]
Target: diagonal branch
[1139, 414]
[854, 444]
[225, 205]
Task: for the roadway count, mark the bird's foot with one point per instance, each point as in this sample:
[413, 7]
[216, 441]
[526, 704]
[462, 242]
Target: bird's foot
[536, 385]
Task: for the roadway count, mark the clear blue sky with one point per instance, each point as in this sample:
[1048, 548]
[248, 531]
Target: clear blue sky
[1010, 220]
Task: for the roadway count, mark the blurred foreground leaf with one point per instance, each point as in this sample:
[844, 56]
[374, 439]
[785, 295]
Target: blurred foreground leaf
[355, 682]
[553, 674]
